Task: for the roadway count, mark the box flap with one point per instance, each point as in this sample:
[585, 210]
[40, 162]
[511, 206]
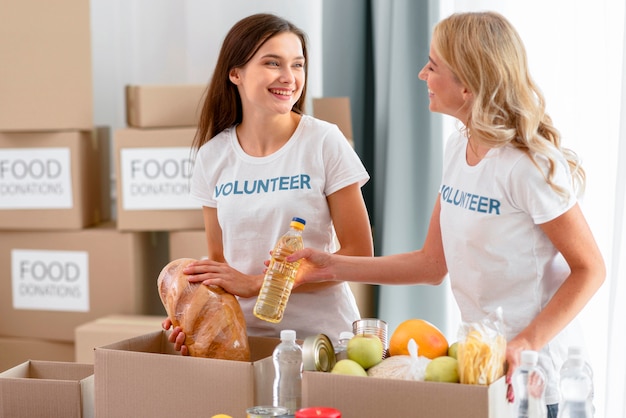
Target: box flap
[497, 406]
[263, 381]
[88, 396]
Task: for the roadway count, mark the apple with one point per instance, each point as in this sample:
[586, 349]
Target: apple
[348, 367]
[365, 349]
[453, 350]
[442, 369]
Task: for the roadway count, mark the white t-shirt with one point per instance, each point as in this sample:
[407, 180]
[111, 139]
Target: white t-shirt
[256, 198]
[496, 253]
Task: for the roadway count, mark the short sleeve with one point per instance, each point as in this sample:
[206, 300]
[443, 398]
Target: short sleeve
[341, 163]
[531, 192]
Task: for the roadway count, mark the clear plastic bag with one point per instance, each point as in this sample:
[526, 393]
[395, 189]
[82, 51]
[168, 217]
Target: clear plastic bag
[403, 367]
[482, 349]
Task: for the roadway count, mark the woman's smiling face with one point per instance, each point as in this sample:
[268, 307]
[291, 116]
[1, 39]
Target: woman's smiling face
[446, 93]
[274, 77]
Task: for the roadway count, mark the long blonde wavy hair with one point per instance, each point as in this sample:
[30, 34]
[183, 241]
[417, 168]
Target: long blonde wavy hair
[487, 55]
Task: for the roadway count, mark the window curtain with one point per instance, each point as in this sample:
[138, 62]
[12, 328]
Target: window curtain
[580, 70]
[373, 52]
[408, 150]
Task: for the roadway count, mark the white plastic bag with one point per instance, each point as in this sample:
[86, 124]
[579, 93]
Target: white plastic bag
[403, 367]
[482, 349]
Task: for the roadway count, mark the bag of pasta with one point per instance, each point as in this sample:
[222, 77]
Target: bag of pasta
[481, 350]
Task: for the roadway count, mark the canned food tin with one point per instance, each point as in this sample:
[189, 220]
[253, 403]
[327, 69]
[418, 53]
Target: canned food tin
[373, 326]
[266, 411]
[318, 354]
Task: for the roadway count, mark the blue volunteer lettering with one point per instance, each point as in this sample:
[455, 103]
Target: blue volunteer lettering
[237, 187]
[470, 201]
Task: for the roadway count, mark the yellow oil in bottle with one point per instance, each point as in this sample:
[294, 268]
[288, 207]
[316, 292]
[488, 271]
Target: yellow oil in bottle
[278, 282]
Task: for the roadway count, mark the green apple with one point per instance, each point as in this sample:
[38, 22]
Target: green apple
[453, 349]
[348, 367]
[442, 369]
[365, 349]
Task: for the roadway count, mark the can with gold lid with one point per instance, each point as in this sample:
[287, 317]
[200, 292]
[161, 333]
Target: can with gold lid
[318, 354]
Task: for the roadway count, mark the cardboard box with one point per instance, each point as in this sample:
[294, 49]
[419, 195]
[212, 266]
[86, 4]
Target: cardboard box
[335, 110]
[54, 180]
[46, 71]
[153, 170]
[164, 106]
[357, 397]
[188, 244]
[146, 376]
[111, 329]
[47, 389]
[56, 281]
[14, 351]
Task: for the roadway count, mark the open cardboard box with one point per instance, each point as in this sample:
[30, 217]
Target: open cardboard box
[147, 376]
[47, 389]
[358, 397]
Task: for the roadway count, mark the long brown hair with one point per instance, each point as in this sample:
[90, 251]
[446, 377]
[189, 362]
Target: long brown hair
[222, 105]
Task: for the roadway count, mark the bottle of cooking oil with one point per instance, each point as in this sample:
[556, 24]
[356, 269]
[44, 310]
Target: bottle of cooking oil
[278, 281]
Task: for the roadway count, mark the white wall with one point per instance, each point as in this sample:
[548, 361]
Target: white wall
[176, 42]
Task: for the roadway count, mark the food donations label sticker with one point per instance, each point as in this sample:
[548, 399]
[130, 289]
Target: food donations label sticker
[50, 280]
[35, 178]
[156, 178]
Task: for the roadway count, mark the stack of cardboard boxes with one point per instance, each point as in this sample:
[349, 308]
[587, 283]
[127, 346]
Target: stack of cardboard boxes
[80, 331]
[63, 261]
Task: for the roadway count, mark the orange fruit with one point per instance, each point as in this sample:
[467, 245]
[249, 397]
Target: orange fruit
[431, 342]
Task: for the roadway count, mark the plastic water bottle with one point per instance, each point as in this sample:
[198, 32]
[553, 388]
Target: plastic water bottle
[529, 383]
[278, 281]
[287, 357]
[574, 353]
[341, 349]
[576, 387]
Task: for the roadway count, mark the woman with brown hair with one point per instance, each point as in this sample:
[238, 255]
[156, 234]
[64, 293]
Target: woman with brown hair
[262, 161]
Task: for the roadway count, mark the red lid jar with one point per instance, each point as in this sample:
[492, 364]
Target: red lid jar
[318, 412]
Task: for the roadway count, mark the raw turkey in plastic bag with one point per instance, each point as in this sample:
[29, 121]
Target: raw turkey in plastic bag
[210, 317]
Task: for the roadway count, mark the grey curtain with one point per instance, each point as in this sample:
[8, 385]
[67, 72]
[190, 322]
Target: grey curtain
[372, 52]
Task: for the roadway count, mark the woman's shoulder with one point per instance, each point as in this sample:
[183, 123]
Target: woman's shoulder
[219, 140]
[526, 159]
[321, 127]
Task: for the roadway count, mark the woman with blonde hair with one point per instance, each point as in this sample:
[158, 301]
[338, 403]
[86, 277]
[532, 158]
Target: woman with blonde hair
[506, 227]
